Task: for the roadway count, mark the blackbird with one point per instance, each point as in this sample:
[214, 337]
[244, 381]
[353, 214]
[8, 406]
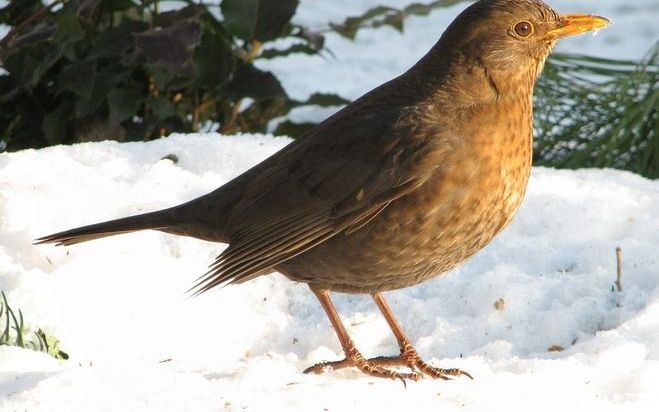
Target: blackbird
[396, 188]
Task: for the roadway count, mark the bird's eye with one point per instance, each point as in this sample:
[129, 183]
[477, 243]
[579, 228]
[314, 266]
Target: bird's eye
[523, 29]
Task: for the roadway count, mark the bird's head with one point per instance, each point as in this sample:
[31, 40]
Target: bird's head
[512, 37]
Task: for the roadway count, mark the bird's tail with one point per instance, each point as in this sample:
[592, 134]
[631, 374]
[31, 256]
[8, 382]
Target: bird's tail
[160, 220]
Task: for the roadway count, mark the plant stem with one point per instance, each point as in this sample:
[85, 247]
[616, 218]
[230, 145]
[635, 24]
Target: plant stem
[619, 269]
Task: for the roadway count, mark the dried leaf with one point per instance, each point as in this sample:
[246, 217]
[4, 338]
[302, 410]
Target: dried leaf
[555, 348]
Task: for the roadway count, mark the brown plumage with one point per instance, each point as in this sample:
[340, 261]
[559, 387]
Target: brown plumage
[398, 187]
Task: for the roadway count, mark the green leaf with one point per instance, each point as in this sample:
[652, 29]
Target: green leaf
[34, 35]
[240, 17]
[116, 41]
[296, 48]
[88, 12]
[30, 57]
[395, 21]
[107, 79]
[69, 29]
[293, 129]
[17, 11]
[117, 5]
[191, 12]
[54, 123]
[323, 99]
[123, 104]
[380, 16]
[314, 39]
[45, 63]
[262, 20]
[248, 81]
[78, 78]
[162, 107]
[418, 9]
[214, 60]
[170, 48]
[43, 342]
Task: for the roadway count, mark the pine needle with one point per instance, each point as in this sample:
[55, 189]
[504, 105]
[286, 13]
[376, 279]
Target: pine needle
[595, 112]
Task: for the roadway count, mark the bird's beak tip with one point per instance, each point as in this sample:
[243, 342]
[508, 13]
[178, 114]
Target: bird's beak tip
[572, 24]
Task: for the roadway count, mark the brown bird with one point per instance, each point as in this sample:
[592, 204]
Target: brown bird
[396, 188]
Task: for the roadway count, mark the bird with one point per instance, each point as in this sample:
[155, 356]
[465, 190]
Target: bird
[398, 187]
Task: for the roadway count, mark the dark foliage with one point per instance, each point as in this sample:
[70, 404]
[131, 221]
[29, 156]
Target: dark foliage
[82, 70]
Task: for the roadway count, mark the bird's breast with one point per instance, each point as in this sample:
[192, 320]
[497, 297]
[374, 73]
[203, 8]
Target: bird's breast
[470, 198]
[486, 177]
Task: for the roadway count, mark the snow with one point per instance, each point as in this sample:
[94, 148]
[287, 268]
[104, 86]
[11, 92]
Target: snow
[138, 342]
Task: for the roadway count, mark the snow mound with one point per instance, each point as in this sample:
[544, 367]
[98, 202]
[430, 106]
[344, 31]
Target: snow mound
[137, 342]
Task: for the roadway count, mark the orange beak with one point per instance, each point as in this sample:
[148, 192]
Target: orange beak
[572, 24]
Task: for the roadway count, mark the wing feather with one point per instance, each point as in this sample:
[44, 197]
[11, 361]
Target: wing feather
[312, 192]
[243, 269]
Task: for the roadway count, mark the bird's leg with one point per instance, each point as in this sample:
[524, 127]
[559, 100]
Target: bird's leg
[353, 357]
[408, 355]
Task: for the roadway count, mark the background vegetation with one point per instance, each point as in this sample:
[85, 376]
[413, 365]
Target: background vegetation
[593, 112]
[81, 70]
[14, 332]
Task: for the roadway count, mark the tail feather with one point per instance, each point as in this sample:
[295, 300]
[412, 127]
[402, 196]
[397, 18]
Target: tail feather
[155, 220]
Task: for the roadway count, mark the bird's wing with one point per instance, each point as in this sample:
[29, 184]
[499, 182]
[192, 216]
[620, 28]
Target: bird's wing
[334, 181]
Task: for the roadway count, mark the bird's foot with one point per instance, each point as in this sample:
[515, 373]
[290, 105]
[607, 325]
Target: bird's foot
[371, 367]
[410, 358]
[420, 366]
[379, 366]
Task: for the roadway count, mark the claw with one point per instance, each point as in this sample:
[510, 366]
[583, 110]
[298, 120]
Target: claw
[404, 383]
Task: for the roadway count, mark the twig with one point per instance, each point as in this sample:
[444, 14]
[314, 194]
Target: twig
[619, 269]
[230, 124]
[254, 49]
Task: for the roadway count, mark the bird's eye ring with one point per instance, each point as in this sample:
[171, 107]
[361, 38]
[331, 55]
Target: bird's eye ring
[523, 29]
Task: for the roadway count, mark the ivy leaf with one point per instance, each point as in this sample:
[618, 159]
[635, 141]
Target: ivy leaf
[17, 11]
[116, 41]
[323, 99]
[38, 33]
[292, 129]
[89, 11]
[54, 123]
[123, 104]
[69, 29]
[387, 16]
[170, 48]
[313, 38]
[117, 5]
[91, 84]
[162, 107]
[213, 60]
[172, 17]
[262, 20]
[295, 48]
[78, 78]
[248, 81]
